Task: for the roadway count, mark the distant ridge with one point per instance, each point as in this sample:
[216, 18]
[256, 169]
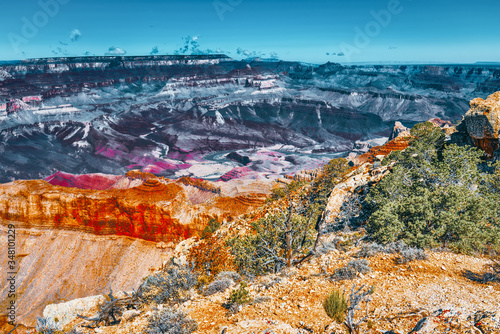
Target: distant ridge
[122, 58]
[496, 63]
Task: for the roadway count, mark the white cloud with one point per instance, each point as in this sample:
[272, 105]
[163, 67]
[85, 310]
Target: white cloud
[248, 53]
[75, 35]
[115, 51]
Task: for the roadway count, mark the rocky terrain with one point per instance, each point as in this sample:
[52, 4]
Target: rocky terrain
[291, 303]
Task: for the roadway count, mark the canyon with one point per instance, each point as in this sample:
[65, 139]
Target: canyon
[107, 163]
[169, 114]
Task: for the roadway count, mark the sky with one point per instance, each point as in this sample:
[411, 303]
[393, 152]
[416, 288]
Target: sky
[314, 31]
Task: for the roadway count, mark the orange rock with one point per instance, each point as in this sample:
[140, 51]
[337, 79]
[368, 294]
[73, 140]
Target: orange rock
[156, 210]
[397, 144]
[481, 125]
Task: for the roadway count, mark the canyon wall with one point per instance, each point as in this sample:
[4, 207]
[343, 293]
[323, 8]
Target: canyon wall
[55, 265]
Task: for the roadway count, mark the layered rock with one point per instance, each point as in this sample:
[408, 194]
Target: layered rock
[481, 125]
[205, 107]
[400, 140]
[156, 209]
[73, 242]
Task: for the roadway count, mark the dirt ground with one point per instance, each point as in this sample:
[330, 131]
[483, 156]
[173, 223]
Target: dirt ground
[404, 294]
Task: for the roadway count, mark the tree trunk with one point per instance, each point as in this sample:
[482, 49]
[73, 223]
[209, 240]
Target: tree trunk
[288, 238]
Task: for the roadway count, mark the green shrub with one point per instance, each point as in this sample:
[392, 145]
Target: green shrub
[170, 321]
[436, 195]
[266, 251]
[335, 306]
[213, 225]
[321, 188]
[240, 296]
[167, 286]
[283, 191]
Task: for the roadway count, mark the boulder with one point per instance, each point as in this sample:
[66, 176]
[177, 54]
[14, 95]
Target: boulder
[130, 314]
[399, 130]
[64, 313]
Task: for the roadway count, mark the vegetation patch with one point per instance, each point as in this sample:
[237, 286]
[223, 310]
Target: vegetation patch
[437, 195]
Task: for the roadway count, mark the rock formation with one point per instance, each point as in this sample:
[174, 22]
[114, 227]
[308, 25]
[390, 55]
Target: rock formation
[399, 129]
[79, 115]
[155, 209]
[481, 125]
[58, 265]
[399, 140]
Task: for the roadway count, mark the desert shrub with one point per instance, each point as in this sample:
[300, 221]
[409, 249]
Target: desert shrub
[267, 282]
[213, 225]
[46, 326]
[361, 266]
[406, 253]
[211, 256]
[395, 247]
[219, 285]
[411, 254]
[436, 195]
[170, 321]
[335, 306]
[237, 299]
[266, 250]
[241, 295]
[167, 286]
[321, 188]
[283, 191]
[351, 270]
[234, 276]
[326, 247]
[344, 273]
[370, 250]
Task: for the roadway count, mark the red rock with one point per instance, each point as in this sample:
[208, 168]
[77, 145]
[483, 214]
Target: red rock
[88, 181]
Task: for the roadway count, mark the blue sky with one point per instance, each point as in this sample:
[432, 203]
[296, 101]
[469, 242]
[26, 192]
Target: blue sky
[312, 31]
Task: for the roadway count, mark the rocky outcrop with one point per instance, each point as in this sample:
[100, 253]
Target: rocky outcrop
[355, 183]
[377, 153]
[67, 312]
[399, 130]
[481, 125]
[73, 242]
